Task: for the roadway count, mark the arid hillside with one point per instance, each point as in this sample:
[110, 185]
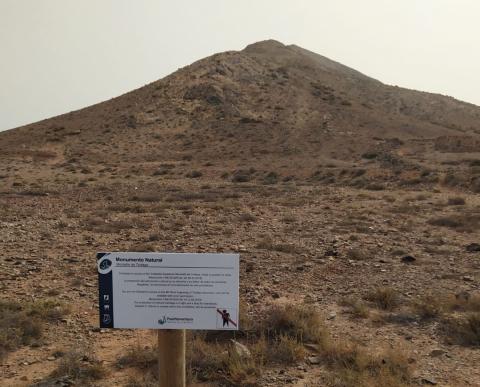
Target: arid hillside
[354, 206]
[279, 109]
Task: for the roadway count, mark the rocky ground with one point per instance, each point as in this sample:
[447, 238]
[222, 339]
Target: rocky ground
[298, 243]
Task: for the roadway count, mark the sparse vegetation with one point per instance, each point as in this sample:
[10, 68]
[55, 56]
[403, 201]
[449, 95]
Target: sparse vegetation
[463, 330]
[384, 298]
[356, 307]
[458, 222]
[23, 323]
[76, 366]
[429, 307]
[358, 254]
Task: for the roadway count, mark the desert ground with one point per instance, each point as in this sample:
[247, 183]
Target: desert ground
[353, 205]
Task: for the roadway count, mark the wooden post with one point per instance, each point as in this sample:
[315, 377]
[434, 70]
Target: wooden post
[171, 357]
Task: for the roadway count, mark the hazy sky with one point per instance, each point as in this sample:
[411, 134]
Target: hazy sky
[61, 55]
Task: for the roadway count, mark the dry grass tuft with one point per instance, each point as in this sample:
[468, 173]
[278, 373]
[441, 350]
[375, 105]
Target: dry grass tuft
[463, 330]
[384, 298]
[279, 339]
[79, 367]
[303, 323]
[356, 307]
[22, 324]
[353, 366]
[458, 222]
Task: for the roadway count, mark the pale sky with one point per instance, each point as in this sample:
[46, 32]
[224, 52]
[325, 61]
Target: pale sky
[62, 55]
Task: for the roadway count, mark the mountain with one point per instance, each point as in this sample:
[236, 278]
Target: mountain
[275, 108]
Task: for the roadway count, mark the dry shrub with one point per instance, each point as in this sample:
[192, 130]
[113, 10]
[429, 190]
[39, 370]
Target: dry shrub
[357, 254]
[384, 298]
[303, 323]
[353, 366]
[213, 361]
[144, 358]
[79, 367]
[22, 323]
[356, 307]
[285, 350]
[460, 222]
[279, 339]
[463, 330]
[465, 302]
[429, 307]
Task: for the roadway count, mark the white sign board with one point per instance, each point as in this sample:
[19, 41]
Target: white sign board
[168, 290]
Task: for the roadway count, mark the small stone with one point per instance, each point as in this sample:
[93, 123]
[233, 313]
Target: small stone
[51, 358]
[312, 347]
[473, 247]
[240, 349]
[468, 278]
[275, 295]
[408, 259]
[429, 380]
[313, 360]
[332, 315]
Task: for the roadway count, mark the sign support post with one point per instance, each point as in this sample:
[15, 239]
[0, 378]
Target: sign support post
[171, 357]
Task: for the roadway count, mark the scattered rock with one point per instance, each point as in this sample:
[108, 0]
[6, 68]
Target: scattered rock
[332, 315]
[240, 349]
[408, 259]
[312, 347]
[331, 253]
[468, 278]
[429, 380]
[313, 360]
[473, 247]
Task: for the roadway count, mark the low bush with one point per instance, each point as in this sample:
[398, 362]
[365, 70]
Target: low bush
[384, 298]
[458, 222]
[463, 330]
[79, 367]
[23, 323]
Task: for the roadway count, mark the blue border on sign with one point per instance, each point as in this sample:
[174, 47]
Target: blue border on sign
[105, 290]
